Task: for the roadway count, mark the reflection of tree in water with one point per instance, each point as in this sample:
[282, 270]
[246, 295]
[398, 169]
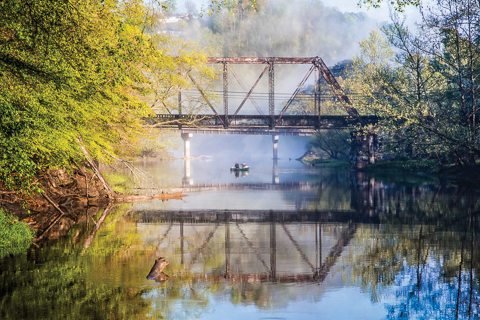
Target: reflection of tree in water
[331, 190]
[423, 257]
[53, 282]
[400, 203]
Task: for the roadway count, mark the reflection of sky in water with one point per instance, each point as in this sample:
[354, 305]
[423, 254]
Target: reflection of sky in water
[224, 200]
[262, 189]
[166, 173]
[330, 306]
[329, 300]
[256, 151]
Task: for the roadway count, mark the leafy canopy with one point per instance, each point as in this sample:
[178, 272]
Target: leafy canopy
[76, 70]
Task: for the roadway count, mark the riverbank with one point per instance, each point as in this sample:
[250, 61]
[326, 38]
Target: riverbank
[67, 198]
[314, 160]
[407, 170]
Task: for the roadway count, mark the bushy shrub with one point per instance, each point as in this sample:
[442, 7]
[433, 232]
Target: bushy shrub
[15, 236]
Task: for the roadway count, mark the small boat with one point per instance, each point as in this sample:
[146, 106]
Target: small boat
[242, 168]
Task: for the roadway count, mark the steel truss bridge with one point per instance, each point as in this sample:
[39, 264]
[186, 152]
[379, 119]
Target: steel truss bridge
[274, 123]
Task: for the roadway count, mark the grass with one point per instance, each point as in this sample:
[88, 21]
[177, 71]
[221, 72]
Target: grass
[408, 171]
[327, 163]
[15, 236]
[410, 165]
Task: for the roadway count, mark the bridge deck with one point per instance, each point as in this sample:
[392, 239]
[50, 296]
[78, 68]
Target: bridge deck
[255, 124]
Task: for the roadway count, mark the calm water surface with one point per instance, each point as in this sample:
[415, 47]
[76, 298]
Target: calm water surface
[286, 241]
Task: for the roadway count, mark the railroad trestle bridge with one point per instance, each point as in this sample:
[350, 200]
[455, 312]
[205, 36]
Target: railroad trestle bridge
[274, 123]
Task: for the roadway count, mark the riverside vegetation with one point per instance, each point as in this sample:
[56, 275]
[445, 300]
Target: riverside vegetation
[76, 79]
[423, 86]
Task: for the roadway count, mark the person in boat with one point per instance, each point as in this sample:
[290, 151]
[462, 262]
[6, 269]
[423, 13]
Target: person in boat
[237, 165]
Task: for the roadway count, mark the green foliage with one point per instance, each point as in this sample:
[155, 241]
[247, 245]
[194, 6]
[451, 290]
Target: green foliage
[169, 5]
[15, 236]
[77, 73]
[425, 93]
[215, 6]
[407, 171]
[335, 143]
[120, 183]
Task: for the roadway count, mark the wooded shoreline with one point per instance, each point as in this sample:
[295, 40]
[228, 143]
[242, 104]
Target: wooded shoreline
[75, 196]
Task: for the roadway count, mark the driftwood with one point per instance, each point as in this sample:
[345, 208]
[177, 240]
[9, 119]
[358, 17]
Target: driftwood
[95, 169]
[162, 196]
[157, 270]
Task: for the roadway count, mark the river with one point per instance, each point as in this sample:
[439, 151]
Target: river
[285, 241]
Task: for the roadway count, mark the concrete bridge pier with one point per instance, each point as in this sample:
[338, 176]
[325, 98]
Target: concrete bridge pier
[364, 150]
[275, 146]
[186, 144]
[275, 179]
[187, 180]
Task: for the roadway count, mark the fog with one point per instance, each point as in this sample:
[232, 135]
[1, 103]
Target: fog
[280, 28]
[244, 148]
[297, 28]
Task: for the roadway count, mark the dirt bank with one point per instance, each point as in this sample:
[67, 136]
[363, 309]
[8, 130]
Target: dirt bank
[68, 198]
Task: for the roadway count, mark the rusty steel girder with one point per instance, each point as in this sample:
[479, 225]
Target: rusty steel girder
[225, 93]
[257, 121]
[277, 60]
[318, 65]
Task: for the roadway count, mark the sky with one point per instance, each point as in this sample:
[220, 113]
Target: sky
[380, 14]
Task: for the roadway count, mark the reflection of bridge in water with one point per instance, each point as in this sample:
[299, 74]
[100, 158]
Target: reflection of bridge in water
[280, 226]
[199, 187]
[282, 246]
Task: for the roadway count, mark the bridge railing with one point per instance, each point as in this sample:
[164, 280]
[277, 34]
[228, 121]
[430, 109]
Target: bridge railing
[258, 121]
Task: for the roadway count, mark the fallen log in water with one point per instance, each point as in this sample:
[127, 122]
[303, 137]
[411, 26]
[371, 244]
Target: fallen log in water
[162, 196]
[156, 272]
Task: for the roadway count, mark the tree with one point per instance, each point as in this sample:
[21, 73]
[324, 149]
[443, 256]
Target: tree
[336, 143]
[398, 5]
[426, 94]
[76, 70]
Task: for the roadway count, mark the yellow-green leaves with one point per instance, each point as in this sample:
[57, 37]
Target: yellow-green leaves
[79, 68]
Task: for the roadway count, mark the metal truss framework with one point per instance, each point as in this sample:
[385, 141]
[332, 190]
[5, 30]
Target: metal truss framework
[318, 68]
[319, 269]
